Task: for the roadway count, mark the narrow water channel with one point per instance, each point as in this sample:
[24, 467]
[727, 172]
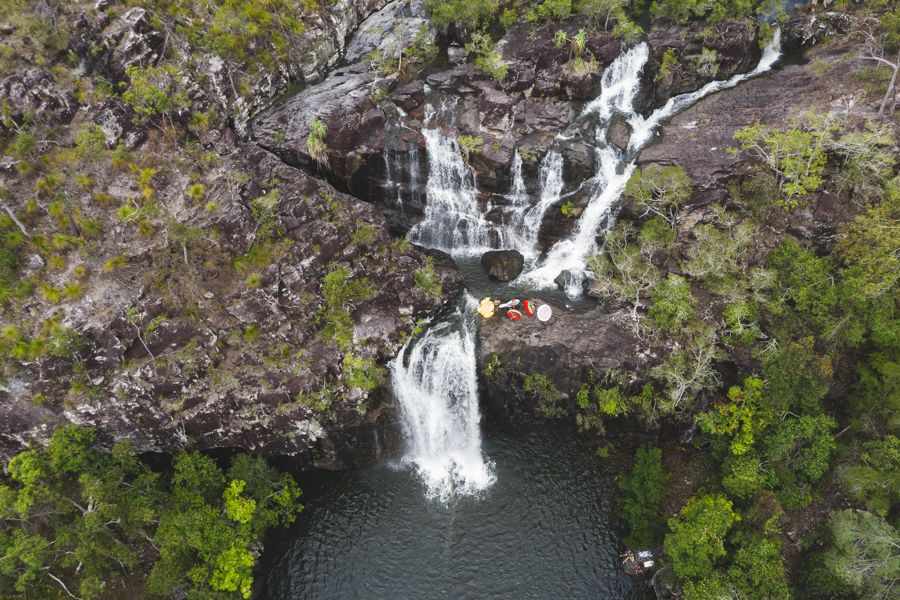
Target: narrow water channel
[541, 531]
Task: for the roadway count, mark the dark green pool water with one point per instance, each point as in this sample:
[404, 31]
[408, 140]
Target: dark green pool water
[541, 531]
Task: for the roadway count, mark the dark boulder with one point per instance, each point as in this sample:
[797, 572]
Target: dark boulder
[503, 265]
[619, 132]
[35, 93]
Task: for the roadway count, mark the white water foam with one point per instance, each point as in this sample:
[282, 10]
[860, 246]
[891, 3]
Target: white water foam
[452, 221]
[436, 385]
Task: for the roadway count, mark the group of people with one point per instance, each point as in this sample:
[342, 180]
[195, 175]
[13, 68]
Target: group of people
[514, 309]
[636, 564]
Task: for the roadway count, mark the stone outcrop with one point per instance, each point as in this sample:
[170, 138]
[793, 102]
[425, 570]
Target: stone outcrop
[503, 265]
[698, 139]
[576, 343]
[248, 365]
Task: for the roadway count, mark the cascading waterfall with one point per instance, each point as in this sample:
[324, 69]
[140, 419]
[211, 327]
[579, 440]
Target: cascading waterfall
[620, 85]
[436, 385]
[524, 224]
[452, 222]
[434, 377]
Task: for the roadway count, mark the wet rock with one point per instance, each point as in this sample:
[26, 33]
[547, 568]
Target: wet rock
[343, 102]
[578, 160]
[806, 31]
[503, 265]
[737, 51]
[575, 343]
[619, 132]
[388, 31]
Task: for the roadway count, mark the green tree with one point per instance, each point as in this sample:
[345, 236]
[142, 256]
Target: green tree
[757, 571]
[740, 418]
[672, 303]
[865, 553]
[875, 479]
[697, 538]
[660, 190]
[797, 452]
[474, 13]
[643, 492]
[797, 155]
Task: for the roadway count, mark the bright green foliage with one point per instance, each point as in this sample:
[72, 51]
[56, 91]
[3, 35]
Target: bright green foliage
[804, 285]
[797, 450]
[206, 529]
[712, 587]
[797, 377]
[743, 475]
[340, 291]
[740, 418]
[265, 211]
[486, 58]
[864, 553]
[757, 571]
[660, 190]
[643, 492]
[315, 142]
[706, 64]
[714, 11]
[656, 236]
[870, 248]
[797, 156]
[240, 28]
[363, 373]
[155, 92]
[474, 13]
[673, 304]
[697, 537]
[875, 479]
[545, 10]
[72, 505]
[427, 279]
[238, 509]
[548, 395]
[469, 144]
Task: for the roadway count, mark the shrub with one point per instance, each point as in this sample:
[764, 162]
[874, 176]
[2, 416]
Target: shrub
[548, 395]
[874, 479]
[155, 91]
[315, 142]
[474, 13]
[469, 144]
[643, 492]
[797, 155]
[362, 373]
[672, 303]
[427, 279]
[697, 537]
[864, 553]
[486, 58]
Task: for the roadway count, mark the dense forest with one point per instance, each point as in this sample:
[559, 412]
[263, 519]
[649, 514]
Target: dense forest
[159, 272]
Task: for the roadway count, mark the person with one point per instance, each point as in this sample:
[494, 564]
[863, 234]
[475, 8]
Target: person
[487, 307]
[510, 304]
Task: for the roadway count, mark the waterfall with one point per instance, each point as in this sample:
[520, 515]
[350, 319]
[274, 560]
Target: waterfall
[435, 382]
[524, 224]
[453, 221]
[619, 87]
